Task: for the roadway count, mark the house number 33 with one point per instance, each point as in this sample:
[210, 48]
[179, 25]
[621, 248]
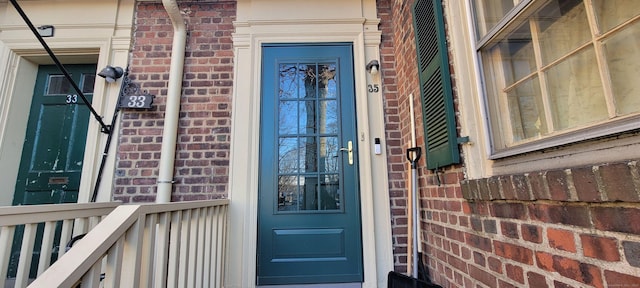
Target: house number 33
[71, 99]
[373, 88]
[137, 101]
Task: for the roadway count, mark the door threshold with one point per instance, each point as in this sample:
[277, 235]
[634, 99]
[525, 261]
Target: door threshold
[332, 285]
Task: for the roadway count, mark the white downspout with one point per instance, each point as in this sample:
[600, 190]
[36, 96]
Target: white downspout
[172, 110]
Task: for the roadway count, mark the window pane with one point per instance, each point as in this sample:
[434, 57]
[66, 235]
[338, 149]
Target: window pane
[307, 80]
[563, 27]
[611, 13]
[309, 192]
[288, 195]
[87, 83]
[309, 154]
[624, 67]
[288, 117]
[526, 111]
[329, 154]
[328, 117]
[58, 84]
[330, 192]
[307, 118]
[327, 83]
[576, 92]
[488, 13]
[288, 156]
[512, 58]
[288, 87]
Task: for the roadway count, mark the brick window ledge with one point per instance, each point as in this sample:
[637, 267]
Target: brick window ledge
[615, 182]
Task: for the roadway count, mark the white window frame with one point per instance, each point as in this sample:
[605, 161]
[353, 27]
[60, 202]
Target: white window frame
[613, 126]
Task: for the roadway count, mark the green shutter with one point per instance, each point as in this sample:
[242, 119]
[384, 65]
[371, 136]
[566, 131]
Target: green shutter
[435, 85]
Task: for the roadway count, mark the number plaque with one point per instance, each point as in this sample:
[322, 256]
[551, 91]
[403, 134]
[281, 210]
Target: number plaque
[136, 101]
[132, 97]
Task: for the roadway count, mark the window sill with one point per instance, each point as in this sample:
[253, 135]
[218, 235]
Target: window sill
[616, 183]
[615, 127]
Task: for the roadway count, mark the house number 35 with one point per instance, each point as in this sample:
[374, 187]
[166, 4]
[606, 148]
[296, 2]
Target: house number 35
[373, 88]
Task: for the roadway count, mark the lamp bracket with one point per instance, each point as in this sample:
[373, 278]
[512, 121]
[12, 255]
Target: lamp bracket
[106, 129]
[132, 97]
[372, 64]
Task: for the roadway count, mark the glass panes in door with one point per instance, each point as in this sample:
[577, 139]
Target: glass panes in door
[308, 138]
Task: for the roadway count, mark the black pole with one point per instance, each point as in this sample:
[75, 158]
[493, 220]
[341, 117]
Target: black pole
[123, 86]
[105, 153]
[105, 129]
[413, 155]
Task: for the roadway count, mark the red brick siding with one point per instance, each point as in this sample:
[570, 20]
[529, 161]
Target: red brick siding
[394, 145]
[557, 228]
[400, 72]
[202, 156]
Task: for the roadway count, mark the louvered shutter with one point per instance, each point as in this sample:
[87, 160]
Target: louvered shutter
[435, 85]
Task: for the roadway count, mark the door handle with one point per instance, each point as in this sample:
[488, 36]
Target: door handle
[349, 150]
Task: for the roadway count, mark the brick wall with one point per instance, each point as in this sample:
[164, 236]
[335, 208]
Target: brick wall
[202, 156]
[578, 227]
[398, 38]
[394, 141]
[562, 228]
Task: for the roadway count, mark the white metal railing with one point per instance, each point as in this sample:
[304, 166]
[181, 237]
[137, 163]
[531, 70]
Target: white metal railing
[45, 230]
[178, 244]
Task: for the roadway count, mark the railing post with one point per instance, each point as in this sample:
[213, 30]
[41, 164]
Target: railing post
[47, 244]
[193, 248]
[65, 236]
[208, 249]
[162, 251]
[132, 251]
[223, 214]
[24, 264]
[6, 237]
[148, 250]
[113, 271]
[92, 278]
[184, 249]
[202, 217]
[174, 249]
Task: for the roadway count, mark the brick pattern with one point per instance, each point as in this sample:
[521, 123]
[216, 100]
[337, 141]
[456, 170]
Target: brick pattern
[202, 156]
[394, 142]
[613, 182]
[585, 217]
[400, 78]
[555, 228]
[538, 243]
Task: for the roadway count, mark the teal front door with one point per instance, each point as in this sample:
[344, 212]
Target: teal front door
[309, 227]
[53, 150]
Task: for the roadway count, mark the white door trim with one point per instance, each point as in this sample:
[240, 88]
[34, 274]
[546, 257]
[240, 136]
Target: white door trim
[376, 228]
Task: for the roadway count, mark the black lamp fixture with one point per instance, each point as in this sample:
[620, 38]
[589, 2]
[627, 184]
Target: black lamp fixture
[111, 74]
[373, 67]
